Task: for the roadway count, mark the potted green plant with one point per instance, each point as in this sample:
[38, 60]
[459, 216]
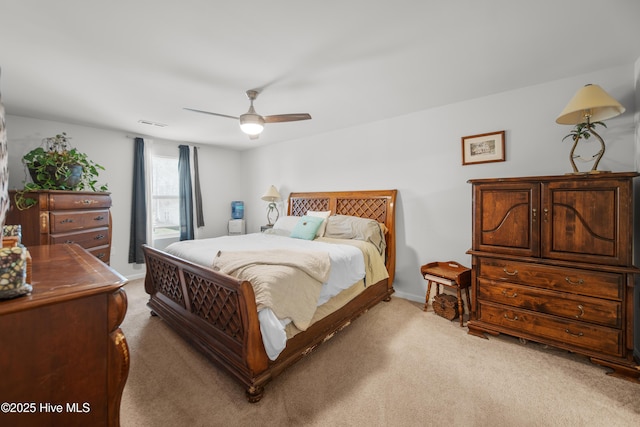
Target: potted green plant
[55, 165]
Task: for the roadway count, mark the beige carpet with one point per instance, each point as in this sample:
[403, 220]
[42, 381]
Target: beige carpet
[394, 366]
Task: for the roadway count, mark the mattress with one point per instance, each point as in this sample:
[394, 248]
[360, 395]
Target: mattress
[347, 260]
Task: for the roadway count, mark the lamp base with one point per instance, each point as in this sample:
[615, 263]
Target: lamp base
[270, 210]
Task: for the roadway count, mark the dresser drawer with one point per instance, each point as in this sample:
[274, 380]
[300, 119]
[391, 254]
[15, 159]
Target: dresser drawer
[570, 306]
[578, 334]
[86, 239]
[66, 201]
[64, 221]
[585, 282]
[103, 253]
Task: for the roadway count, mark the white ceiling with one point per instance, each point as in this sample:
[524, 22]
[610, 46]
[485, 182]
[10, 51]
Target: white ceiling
[110, 64]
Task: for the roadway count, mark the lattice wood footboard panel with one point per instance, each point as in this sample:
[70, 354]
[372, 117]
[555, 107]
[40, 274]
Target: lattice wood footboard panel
[215, 304]
[212, 302]
[166, 279]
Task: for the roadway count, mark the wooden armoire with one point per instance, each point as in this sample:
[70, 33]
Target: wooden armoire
[552, 263]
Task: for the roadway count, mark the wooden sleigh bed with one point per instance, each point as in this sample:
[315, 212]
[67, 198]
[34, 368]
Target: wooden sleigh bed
[217, 313]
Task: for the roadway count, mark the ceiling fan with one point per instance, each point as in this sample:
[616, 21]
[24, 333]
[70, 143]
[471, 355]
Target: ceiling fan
[252, 123]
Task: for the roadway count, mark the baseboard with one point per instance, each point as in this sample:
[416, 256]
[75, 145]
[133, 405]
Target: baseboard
[407, 296]
[135, 276]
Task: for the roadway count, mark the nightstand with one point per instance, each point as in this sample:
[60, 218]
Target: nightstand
[265, 227]
[450, 274]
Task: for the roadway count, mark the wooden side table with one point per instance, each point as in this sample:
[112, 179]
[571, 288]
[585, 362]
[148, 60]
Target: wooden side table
[450, 274]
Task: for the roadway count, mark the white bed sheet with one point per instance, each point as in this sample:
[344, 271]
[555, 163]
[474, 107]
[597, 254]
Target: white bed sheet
[347, 268]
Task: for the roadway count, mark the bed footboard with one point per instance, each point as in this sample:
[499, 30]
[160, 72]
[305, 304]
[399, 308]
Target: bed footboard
[217, 313]
[214, 312]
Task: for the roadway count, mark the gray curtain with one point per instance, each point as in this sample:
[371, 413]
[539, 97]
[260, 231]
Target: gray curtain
[138, 235]
[185, 194]
[198, 193]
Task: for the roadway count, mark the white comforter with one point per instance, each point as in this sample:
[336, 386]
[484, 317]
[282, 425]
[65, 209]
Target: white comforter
[347, 268]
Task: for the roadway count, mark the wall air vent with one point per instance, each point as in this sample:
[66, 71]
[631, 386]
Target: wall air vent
[150, 123]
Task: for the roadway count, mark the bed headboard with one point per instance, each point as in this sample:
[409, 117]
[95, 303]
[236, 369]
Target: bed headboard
[376, 204]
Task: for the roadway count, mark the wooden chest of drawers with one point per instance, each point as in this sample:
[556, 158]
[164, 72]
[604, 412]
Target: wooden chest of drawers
[574, 306]
[552, 263]
[62, 344]
[81, 217]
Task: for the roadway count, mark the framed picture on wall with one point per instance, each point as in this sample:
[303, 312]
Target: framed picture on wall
[483, 148]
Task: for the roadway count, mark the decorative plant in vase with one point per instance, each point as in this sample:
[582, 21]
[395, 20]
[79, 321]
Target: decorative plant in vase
[55, 165]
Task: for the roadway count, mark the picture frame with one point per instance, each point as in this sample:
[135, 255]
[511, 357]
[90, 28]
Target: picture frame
[483, 148]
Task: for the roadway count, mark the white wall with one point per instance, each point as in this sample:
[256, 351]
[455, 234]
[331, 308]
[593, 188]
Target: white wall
[420, 155]
[114, 151]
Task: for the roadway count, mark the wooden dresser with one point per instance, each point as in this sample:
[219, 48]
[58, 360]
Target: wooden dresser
[81, 217]
[552, 262]
[64, 358]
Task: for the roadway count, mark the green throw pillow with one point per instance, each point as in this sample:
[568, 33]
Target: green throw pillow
[307, 227]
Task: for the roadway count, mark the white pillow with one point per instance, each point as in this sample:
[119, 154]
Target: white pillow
[321, 214]
[351, 227]
[286, 223]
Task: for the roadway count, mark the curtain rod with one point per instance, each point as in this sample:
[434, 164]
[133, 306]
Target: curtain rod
[150, 137]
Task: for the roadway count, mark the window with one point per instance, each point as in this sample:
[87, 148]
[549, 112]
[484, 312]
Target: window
[165, 209]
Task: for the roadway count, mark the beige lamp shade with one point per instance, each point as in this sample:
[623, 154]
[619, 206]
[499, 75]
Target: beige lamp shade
[271, 195]
[591, 103]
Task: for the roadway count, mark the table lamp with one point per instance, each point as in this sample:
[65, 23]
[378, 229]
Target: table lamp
[588, 108]
[272, 196]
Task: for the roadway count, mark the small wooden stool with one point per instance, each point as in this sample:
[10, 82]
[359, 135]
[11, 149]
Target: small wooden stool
[449, 274]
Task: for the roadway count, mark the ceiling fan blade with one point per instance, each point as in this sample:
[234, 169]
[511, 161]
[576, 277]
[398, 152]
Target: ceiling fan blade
[279, 118]
[213, 114]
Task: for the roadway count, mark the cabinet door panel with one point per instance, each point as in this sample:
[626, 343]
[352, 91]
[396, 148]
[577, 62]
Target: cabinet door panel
[587, 221]
[506, 218]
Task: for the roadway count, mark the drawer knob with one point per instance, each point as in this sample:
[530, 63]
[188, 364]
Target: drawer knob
[581, 308]
[510, 319]
[99, 218]
[66, 221]
[510, 273]
[579, 334]
[571, 282]
[69, 241]
[99, 237]
[514, 295]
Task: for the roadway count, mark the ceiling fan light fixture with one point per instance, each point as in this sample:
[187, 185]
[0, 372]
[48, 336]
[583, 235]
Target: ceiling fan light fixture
[251, 124]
